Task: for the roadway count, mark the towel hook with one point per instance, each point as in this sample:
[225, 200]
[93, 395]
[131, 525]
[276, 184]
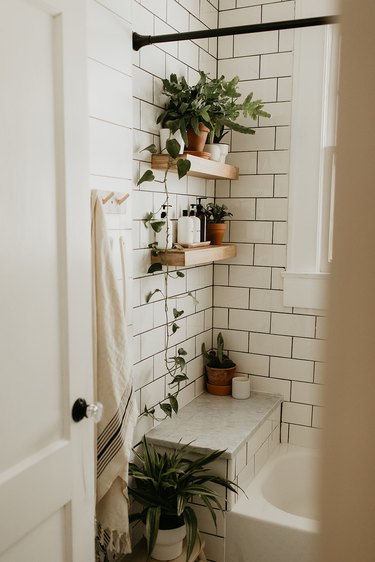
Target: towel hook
[123, 199]
[108, 197]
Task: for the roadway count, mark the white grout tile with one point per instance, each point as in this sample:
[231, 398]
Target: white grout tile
[177, 16]
[284, 90]
[280, 233]
[281, 185]
[248, 276]
[278, 11]
[158, 8]
[276, 65]
[251, 232]
[320, 374]
[264, 139]
[263, 299]
[251, 364]
[318, 419]
[256, 43]
[249, 320]
[314, 350]
[245, 67]
[272, 386]
[293, 325]
[292, 369]
[266, 90]
[305, 436]
[245, 161]
[225, 47]
[270, 254]
[275, 209]
[273, 162]
[239, 16]
[221, 318]
[230, 297]
[234, 340]
[153, 60]
[307, 393]
[299, 414]
[253, 186]
[268, 344]
[242, 209]
[221, 274]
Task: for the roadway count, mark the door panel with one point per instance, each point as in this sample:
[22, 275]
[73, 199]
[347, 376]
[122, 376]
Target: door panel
[46, 461]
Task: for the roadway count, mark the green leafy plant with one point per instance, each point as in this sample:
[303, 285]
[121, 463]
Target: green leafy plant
[175, 364]
[212, 102]
[217, 359]
[165, 483]
[217, 213]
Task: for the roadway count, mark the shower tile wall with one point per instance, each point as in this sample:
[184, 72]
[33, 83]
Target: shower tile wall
[281, 348]
[151, 64]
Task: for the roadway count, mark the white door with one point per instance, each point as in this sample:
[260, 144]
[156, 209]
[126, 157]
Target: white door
[46, 459]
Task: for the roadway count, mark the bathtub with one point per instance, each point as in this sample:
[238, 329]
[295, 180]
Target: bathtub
[278, 520]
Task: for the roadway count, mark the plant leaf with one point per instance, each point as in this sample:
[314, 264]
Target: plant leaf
[175, 327]
[177, 313]
[181, 351]
[155, 267]
[147, 176]
[180, 274]
[157, 225]
[193, 297]
[152, 526]
[173, 402]
[173, 147]
[151, 294]
[183, 166]
[167, 409]
[191, 530]
[151, 148]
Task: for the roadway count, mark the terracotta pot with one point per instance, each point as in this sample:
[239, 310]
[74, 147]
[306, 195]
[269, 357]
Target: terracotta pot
[215, 232]
[219, 390]
[196, 142]
[220, 377]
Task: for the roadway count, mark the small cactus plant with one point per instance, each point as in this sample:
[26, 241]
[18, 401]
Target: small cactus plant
[217, 359]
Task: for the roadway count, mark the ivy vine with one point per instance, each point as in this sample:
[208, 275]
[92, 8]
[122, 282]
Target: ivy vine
[175, 364]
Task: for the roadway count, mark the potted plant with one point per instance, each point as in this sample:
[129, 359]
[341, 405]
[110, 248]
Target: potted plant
[186, 111]
[216, 225]
[210, 105]
[164, 484]
[219, 368]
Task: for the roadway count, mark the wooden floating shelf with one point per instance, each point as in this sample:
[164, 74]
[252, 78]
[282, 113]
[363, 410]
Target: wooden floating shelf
[200, 167]
[196, 256]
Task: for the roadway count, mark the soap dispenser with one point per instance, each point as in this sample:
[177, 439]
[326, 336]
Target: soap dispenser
[196, 223]
[185, 229]
[201, 215]
[164, 238]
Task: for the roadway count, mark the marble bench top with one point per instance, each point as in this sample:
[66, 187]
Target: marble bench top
[215, 422]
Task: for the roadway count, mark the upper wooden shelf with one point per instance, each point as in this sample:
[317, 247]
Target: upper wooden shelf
[196, 256]
[200, 167]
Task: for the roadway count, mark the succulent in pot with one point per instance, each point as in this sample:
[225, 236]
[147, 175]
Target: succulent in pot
[220, 369]
[164, 484]
[216, 225]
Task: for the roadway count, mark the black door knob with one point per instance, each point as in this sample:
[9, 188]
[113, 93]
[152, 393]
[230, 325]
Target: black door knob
[82, 410]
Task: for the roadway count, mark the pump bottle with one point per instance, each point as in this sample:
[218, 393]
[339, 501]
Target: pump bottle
[185, 229]
[197, 225]
[200, 214]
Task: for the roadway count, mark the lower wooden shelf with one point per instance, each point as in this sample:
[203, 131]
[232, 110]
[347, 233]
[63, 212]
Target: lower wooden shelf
[200, 167]
[196, 256]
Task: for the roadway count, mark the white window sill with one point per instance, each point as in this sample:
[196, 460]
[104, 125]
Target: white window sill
[306, 290]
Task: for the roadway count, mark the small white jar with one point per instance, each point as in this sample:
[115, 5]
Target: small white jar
[241, 387]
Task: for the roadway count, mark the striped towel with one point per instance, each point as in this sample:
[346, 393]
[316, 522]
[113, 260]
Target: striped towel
[114, 390]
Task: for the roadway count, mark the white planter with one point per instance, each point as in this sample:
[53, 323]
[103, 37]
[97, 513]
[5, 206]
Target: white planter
[169, 543]
[166, 134]
[214, 150]
[224, 148]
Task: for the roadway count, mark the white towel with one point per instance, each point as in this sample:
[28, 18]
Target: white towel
[114, 390]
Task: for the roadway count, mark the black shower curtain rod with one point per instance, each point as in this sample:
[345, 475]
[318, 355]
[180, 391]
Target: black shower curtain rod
[140, 41]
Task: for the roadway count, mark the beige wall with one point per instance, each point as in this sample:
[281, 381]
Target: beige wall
[349, 459]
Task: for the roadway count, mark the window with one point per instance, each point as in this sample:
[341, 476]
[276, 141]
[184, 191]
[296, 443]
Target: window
[312, 160]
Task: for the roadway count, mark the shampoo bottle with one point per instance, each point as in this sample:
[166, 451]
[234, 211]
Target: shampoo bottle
[185, 229]
[164, 238]
[203, 219]
[197, 225]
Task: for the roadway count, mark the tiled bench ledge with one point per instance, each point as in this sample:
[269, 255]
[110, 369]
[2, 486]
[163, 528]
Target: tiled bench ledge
[248, 430]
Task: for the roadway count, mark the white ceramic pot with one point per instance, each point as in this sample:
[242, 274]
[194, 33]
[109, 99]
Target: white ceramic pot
[169, 543]
[166, 134]
[224, 148]
[214, 150]
[241, 387]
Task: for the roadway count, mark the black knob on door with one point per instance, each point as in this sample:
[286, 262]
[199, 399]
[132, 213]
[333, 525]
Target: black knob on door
[82, 410]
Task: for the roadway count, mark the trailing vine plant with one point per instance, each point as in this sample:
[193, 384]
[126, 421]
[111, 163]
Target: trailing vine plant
[175, 364]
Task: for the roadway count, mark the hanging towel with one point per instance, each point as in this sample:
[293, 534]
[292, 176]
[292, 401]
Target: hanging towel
[114, 389]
